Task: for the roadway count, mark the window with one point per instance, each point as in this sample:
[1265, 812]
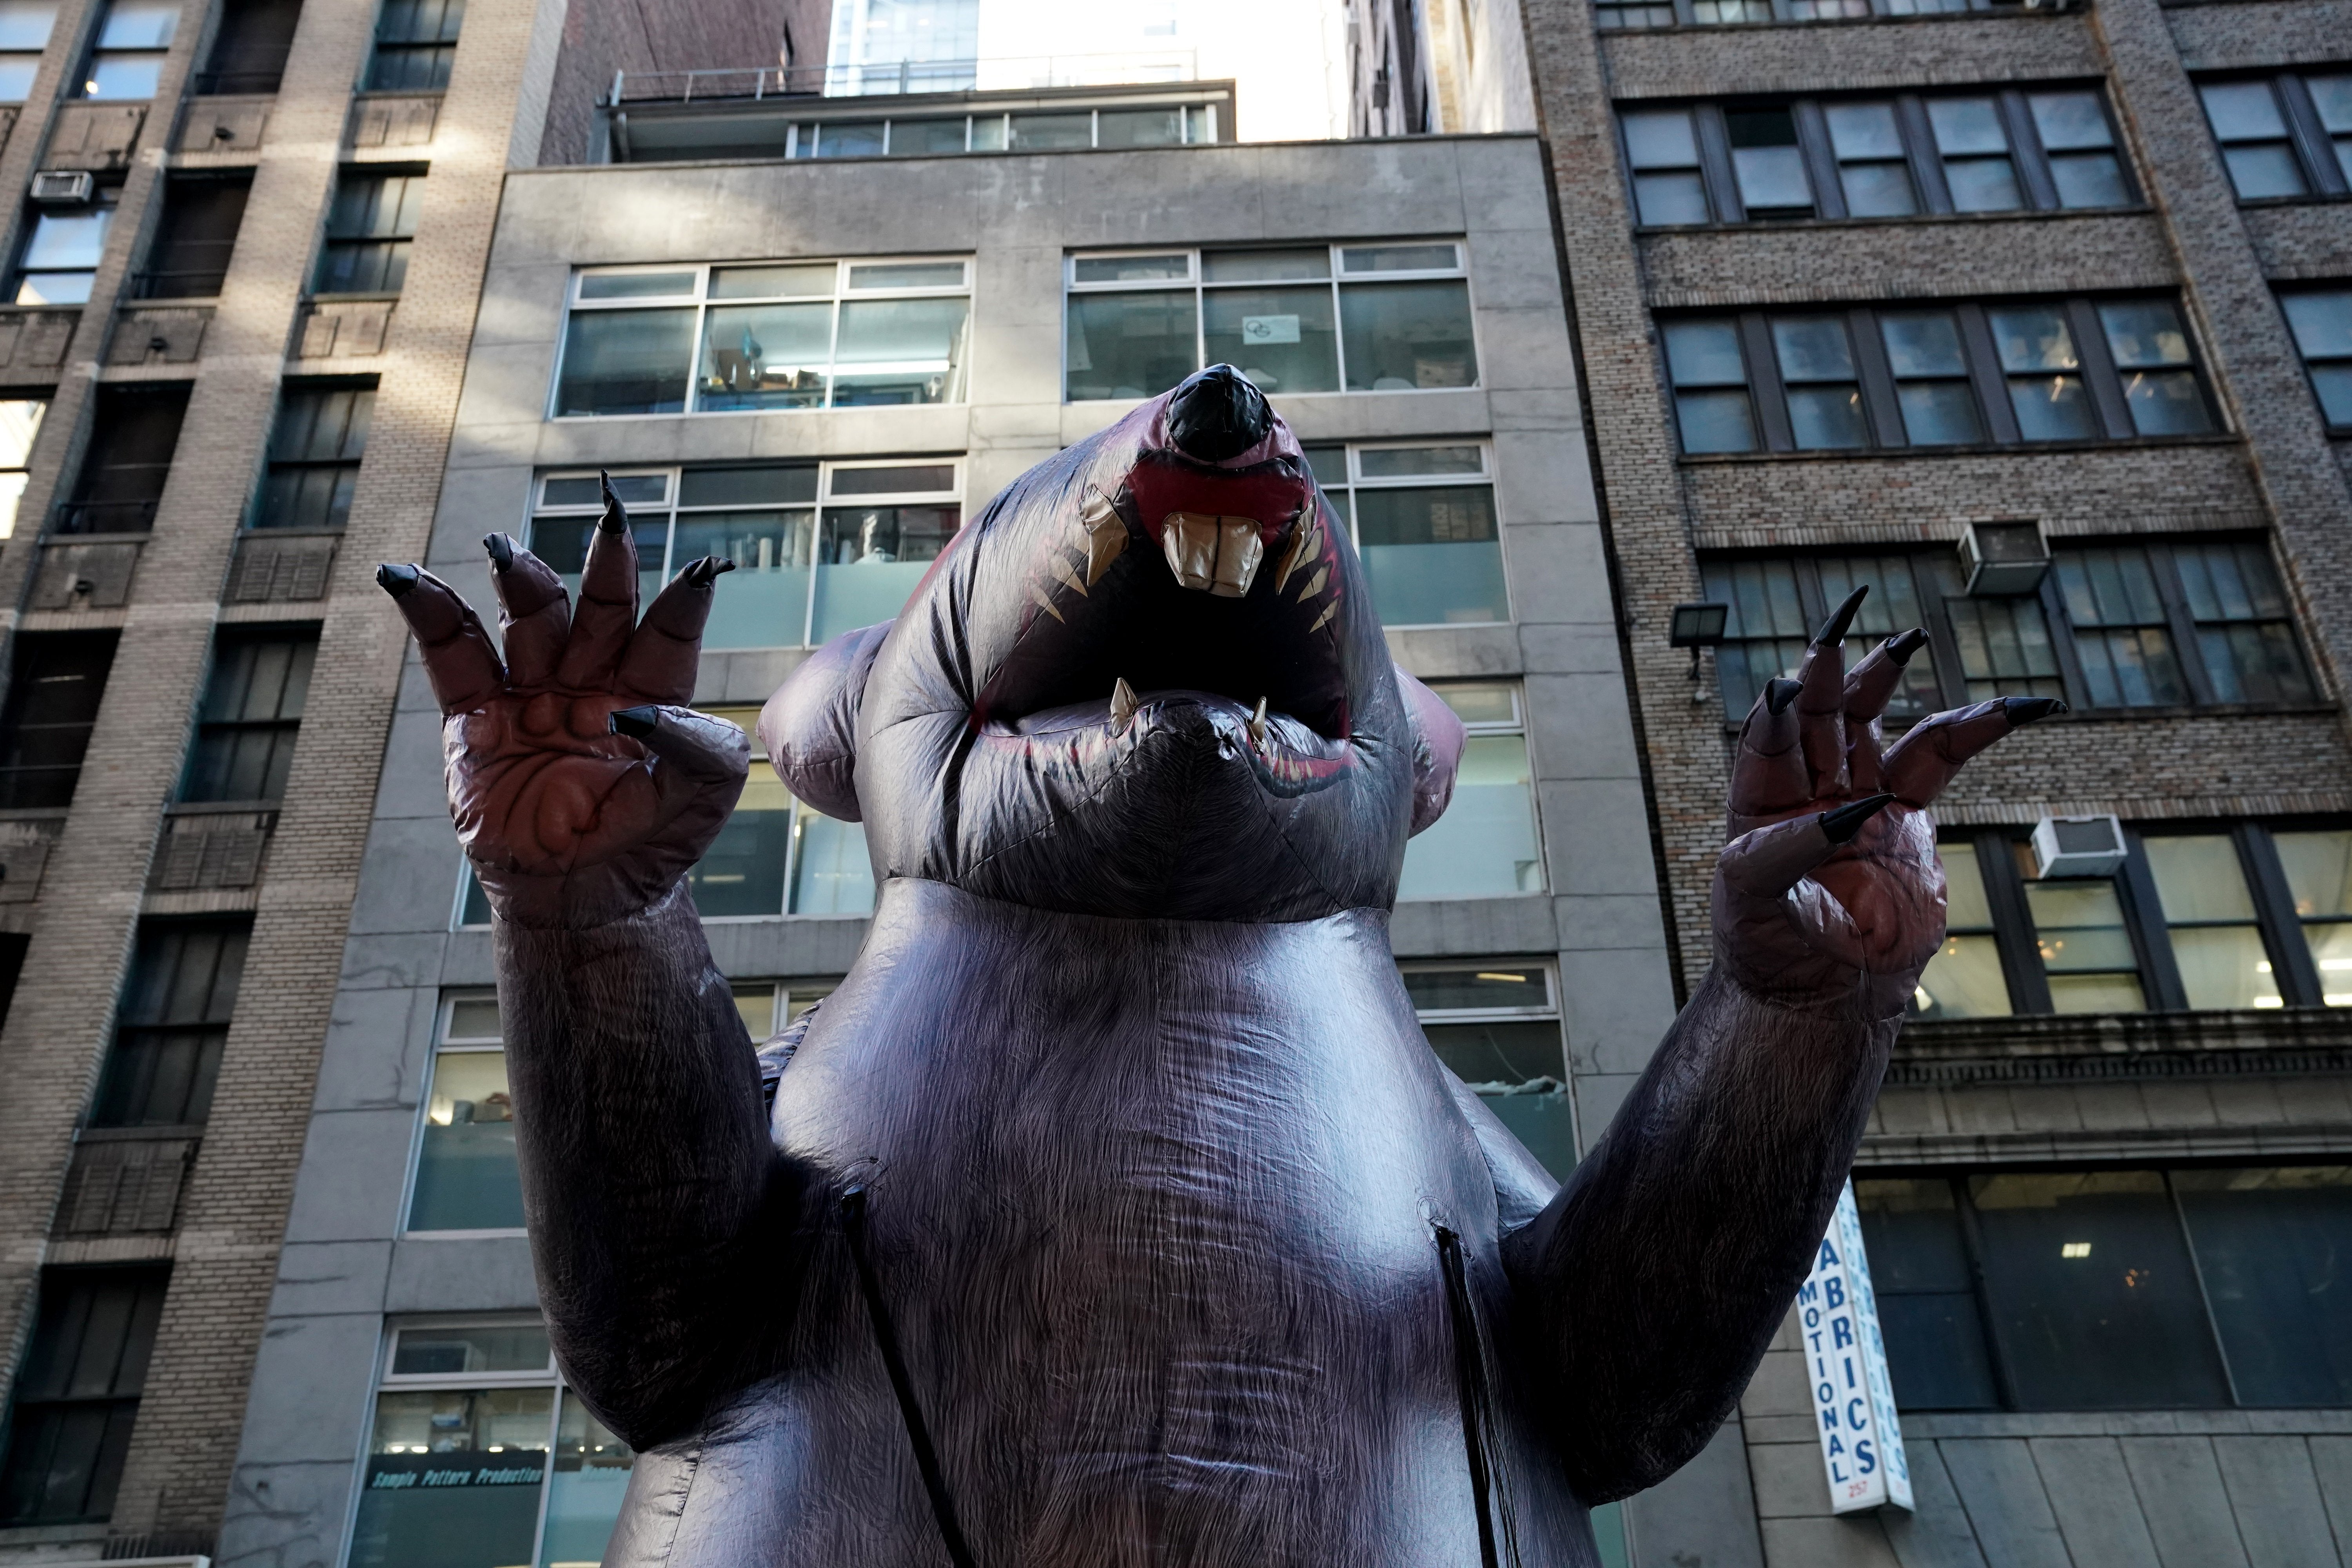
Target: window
[2239, 915]
[777, 855]
[2322, 324]
[77, 1393]
[1950, 376]
[2132, 609]
[132, 39]
[63, 247]
[1496, 1026]
[819, 548]
[54, 689]
[253, 708]
[171, 1024]
[480, 1456]
[1157, 126]
[1486, 844]
[20, 422]
[370, 228]
[1611, 15]
[2122, 632]
[466, 1177]
[1775, 603]
[249, 53]
[315, 447]
[2042, 150]
[2284, 136]
[133, 436]
[25, 26]
[1354, 317]
[1424, 523]
[802, 334]
[2116, 1290]
[190, 256]
[770, 1006]
[416, 45]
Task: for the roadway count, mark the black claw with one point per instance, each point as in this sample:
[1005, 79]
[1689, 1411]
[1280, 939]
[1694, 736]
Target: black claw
[634, 723]
[396, 580]
[616, 516]
[701, 573]
[1839, 825]
[502, 549]
[1832, 630]
[1903, 644]
[2025, 711]
[1778, 693]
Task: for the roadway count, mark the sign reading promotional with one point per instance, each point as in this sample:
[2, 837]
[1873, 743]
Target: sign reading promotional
[1862, 1444]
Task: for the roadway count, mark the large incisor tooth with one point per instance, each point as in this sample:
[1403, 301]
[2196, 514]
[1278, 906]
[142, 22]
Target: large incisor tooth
[1218, 555]
[1122, 703]
[1106, 533]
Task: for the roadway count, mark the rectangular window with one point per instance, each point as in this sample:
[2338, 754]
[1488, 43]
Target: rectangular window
[771, 1006]
[54, 689]
[777, 855]
[1964, 980]
[802, 334]
[370, 228]
[171, 1024]
[2209, 914]
[416, 45]
[1775, 603]
[2042, 150]
[819, 548]
[2085, 942]
[134, 433]
[315, 447]
[480, 1456]
[2113, 1289]
[63, 247]
[2123, 634]
[1495, 1023]
[1393, 317]
[2284, 136]
[24, 27]
[1424, 522]
[1613, 16]
[2318, 867]
[932, 135]
[1785, 384]
[77, 1393]
[248, 52]
[189, 259]
[20, 422]
[2245, 633]
[252, 711]
[466, 1177]
[1485, 845]
[2322, 325]
[133, 38]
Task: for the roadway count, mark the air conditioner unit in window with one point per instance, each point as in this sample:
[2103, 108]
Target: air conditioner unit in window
[2078, 845]
[61, 185]
[2003, 557]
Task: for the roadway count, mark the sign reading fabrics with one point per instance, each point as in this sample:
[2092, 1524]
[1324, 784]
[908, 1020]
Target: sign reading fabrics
[1862, 1444]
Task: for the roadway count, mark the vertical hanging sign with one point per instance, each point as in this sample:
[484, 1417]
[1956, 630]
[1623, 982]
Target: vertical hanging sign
[1861, 1445]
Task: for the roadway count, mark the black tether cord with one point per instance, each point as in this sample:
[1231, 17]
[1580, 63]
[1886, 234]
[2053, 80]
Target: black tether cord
[1469, 1374]
[927, 1460]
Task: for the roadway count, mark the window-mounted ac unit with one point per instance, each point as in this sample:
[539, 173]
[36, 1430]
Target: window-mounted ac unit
[2003, 557]
[61, 185]
[2078, 845]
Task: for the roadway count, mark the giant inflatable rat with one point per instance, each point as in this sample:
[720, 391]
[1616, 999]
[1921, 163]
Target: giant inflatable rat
[1113, 1211]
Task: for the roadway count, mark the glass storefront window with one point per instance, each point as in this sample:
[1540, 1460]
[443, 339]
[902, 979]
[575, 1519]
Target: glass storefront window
[1357, 318]
[1486, 844]
[466, 1173]
[789, 335]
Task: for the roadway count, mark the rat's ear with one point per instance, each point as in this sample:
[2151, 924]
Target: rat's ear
[1437, 742]
[810, 726]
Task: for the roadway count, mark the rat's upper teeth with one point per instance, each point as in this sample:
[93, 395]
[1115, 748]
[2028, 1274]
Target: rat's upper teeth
[1220, 554]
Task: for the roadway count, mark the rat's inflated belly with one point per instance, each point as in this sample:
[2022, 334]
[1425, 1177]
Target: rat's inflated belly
[1154, 1224]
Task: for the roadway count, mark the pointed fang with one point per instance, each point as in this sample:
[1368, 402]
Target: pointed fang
[1320, 621]
[1257, 725]
[1122, 703]
[1038, 595]
[1315, 583]
[1068, 575]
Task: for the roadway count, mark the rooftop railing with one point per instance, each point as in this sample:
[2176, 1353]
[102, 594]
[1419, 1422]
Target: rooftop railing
[1013, 73]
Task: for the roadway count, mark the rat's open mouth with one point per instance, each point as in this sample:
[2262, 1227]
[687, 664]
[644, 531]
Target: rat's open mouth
[1211, 585]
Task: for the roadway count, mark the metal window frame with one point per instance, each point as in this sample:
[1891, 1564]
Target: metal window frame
[1350, 455]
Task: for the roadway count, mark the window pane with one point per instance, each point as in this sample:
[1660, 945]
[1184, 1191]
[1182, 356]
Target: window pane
[584, 1495]
[2075, 133]
[444, 1353]
[1766, 163]
[1481, 703]
[1813, 351]
[832, 874]
[1432, 555]
[1963, 980]
[2198, 879]
[2094, 1301]
[1405, 462]
[453, 1479]
[2322, 324]
[1765, 633]
[2242, 110]
[2276, 1250]
[1661, 139]
[764, 602]
[763, 356]
[1715, 422]
[927, 136]
[1051, 132]
[906, 274]
[69, 239]
[869, 560]
[1706, 354]
[123, 76]
[2086, 950]
[1671, 198]
[1500, 1053]
[1401, 336]
[1484, 845]
[1266, 265]
[26, 24]
[1893, 606]
[465, 1175]
[1458, 990]
[2147, 335]
[742, 873]
[1284, 339]
[2319, 871]
[2004, 644]
[1130, 345]
[849, 138]
[1926, 1295]
[1400, 259]
[626, 361]
[2264, 169]
[1966, 125]
[1130, 269]
[1139, 127]
[646, 285]
[900, 351]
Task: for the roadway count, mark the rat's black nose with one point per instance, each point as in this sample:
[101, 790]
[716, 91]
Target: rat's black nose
[1218, 415]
